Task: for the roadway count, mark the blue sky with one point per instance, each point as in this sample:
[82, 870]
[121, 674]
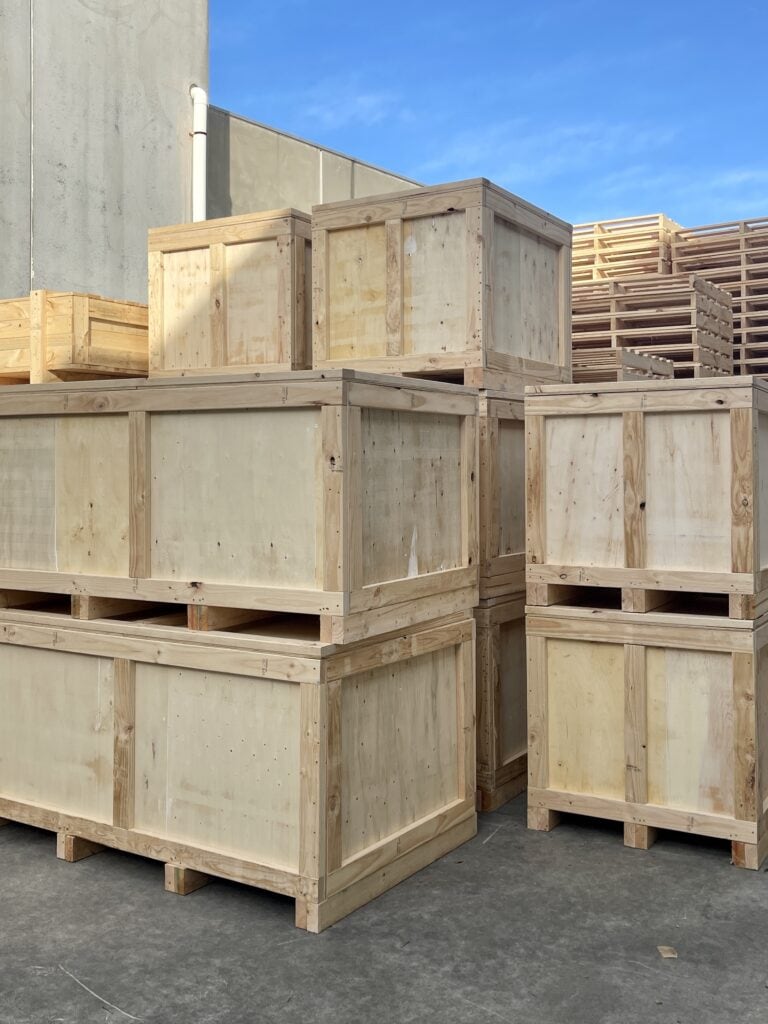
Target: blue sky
[589, 108]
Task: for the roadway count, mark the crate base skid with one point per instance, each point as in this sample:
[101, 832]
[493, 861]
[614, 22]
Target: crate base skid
[261, 755]
[655, 720]
[642, 600]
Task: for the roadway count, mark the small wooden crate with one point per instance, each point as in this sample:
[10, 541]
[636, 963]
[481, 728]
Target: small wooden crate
[68, 336]
[462, 279]
[501, 693]
[656, 721]
[265, 757]
[649, 489]
[230, 295]
[342, 495]
[502, 495]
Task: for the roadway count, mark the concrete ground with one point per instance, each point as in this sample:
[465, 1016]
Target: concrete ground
[518, 926]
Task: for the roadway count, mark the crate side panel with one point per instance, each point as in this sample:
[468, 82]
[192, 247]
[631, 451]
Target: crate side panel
[27, 494]
[411, 476]
[583, 491]
[585, 700]
[762, 495]
[511, 473]
[434, 284]
[514, 729]
[234, 496]
[56, 733]
[688, 490]
[217, 762]
[251, 271]
[525, 295]
[92, 503]
[399, 746]
[357, 293]
[761, 711]
[186, 310]
[690, 730]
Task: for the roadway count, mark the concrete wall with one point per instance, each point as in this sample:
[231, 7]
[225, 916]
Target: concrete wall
[96, 116]
[253, 167]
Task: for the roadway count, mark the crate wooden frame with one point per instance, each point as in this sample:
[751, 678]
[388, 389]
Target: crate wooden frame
[743, 400]
[501, 694]
[502, 495]
[284, 329]
[326, 882]
[739, 782]
[50, 336]
[350, 608]
[480, 360]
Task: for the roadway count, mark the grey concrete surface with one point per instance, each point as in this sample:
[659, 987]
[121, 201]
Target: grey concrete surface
[515, 926]
[254, 167]
[96, 117]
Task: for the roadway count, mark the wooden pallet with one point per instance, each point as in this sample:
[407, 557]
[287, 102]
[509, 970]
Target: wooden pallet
[262, 756]
[652, 720]
[647, 489]
[622, 248]
[49, 336]
[341, 495]
[451, 278]
[501, 720]
[231, 295]
[684, 319]
[605, 365]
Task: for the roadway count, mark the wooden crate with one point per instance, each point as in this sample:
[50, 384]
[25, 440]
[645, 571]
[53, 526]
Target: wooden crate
[607, 365]
[461, 280]
[683, 318]
[68, 336]
[348, 496]
[265, 756]
[502, 495]
[649, 490]
[230, 295]
[623, 247]
[655, 721]
[501, 694]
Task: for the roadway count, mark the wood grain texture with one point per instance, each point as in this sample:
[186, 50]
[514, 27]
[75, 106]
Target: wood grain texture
[634, 489]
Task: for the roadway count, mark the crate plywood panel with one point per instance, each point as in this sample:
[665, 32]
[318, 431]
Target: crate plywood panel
[244, 516]
[252, 271]
[690, 730]
[27, 495]
[526, 322]
[688, 497]
[186, 338]
[512, 664]
[399, 740]
[411, 487]
[356, 269]
[434, 294]
[56, 732]
[511, 517]
[217, 762]
[585, 702]
[762, 482]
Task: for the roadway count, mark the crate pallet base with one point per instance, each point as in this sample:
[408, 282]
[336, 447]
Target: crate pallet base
[642, 823]
[188, 868]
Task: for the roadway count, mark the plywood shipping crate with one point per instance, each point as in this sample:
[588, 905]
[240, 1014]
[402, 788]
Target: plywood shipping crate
[649, 490]
[462, 280]
[623, 247]
[501, 701]
[262, 756]
[70, 336]
[657, 721]
[341, 495]
[231, 295]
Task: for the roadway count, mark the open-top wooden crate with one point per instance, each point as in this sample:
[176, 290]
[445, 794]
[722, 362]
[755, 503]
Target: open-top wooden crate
[263, 755]
[49, 336]
[341, 495]
[462, 280]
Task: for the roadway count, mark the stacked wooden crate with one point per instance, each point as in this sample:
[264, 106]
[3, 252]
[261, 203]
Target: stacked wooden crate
[647, 599]
[460, 282]
[734, 256]
[684, 319]
[626, 247]
[236, 628]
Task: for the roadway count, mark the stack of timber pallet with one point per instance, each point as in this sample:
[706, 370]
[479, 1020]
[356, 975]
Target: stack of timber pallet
[683, 318]
[606, 365]
[734, 256]
[623, 248]
[469, 283]
[236, 629]
[647, 616]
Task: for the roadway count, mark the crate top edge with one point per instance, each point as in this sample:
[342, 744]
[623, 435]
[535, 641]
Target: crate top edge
[650, 620]
[444, 188]
[255, 217]
[56, 294]
[630, 387]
